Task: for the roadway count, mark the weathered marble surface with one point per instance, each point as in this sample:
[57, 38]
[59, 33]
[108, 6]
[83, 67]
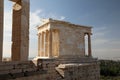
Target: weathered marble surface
[20, 31]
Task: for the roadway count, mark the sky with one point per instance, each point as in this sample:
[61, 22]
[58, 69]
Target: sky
[102, 15]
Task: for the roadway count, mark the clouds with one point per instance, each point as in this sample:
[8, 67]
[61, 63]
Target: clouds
[35, 19]
[44, 14]
[99, 36]
[104, 47]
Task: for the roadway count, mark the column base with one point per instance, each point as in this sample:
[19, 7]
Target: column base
[36, 58]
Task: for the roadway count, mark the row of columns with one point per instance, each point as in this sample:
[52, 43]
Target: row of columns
[44, 44]
[48, 43]
[89, 43]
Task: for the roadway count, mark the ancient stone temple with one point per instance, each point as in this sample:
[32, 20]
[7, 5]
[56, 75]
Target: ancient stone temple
[61, 49]
[62, 39]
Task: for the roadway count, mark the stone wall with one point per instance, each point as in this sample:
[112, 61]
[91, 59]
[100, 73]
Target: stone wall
[71, 38]
[48, 65]
[80, 71]
[70, 69]
[10, 70]
[51, 69]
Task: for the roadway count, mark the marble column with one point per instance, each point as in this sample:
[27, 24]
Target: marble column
[39, 44]
[50, 43]
[20, 30]
[83, 39]
[44, 48]
[46, 44]
[53, 43]
[1, 27]
[89, 45]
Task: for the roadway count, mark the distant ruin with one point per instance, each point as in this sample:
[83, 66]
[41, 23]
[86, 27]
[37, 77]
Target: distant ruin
[61, 49]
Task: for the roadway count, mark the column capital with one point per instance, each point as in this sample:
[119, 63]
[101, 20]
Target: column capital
[14, 0]
[88, 33]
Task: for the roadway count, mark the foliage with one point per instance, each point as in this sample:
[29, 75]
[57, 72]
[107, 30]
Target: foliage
[109, 68]
[109, 78]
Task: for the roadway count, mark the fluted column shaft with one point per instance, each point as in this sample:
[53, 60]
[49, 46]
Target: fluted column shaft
[50, 43]
[44, 48]
[38, 45]
[20, 30]
[89, 45]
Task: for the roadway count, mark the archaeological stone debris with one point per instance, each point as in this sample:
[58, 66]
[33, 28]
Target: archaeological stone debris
[61, 49]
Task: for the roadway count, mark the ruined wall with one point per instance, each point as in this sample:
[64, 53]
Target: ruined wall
[51, 69]
[13, 70]
[16, 67]
[71, 38]
[82, 72]
[46, 71]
